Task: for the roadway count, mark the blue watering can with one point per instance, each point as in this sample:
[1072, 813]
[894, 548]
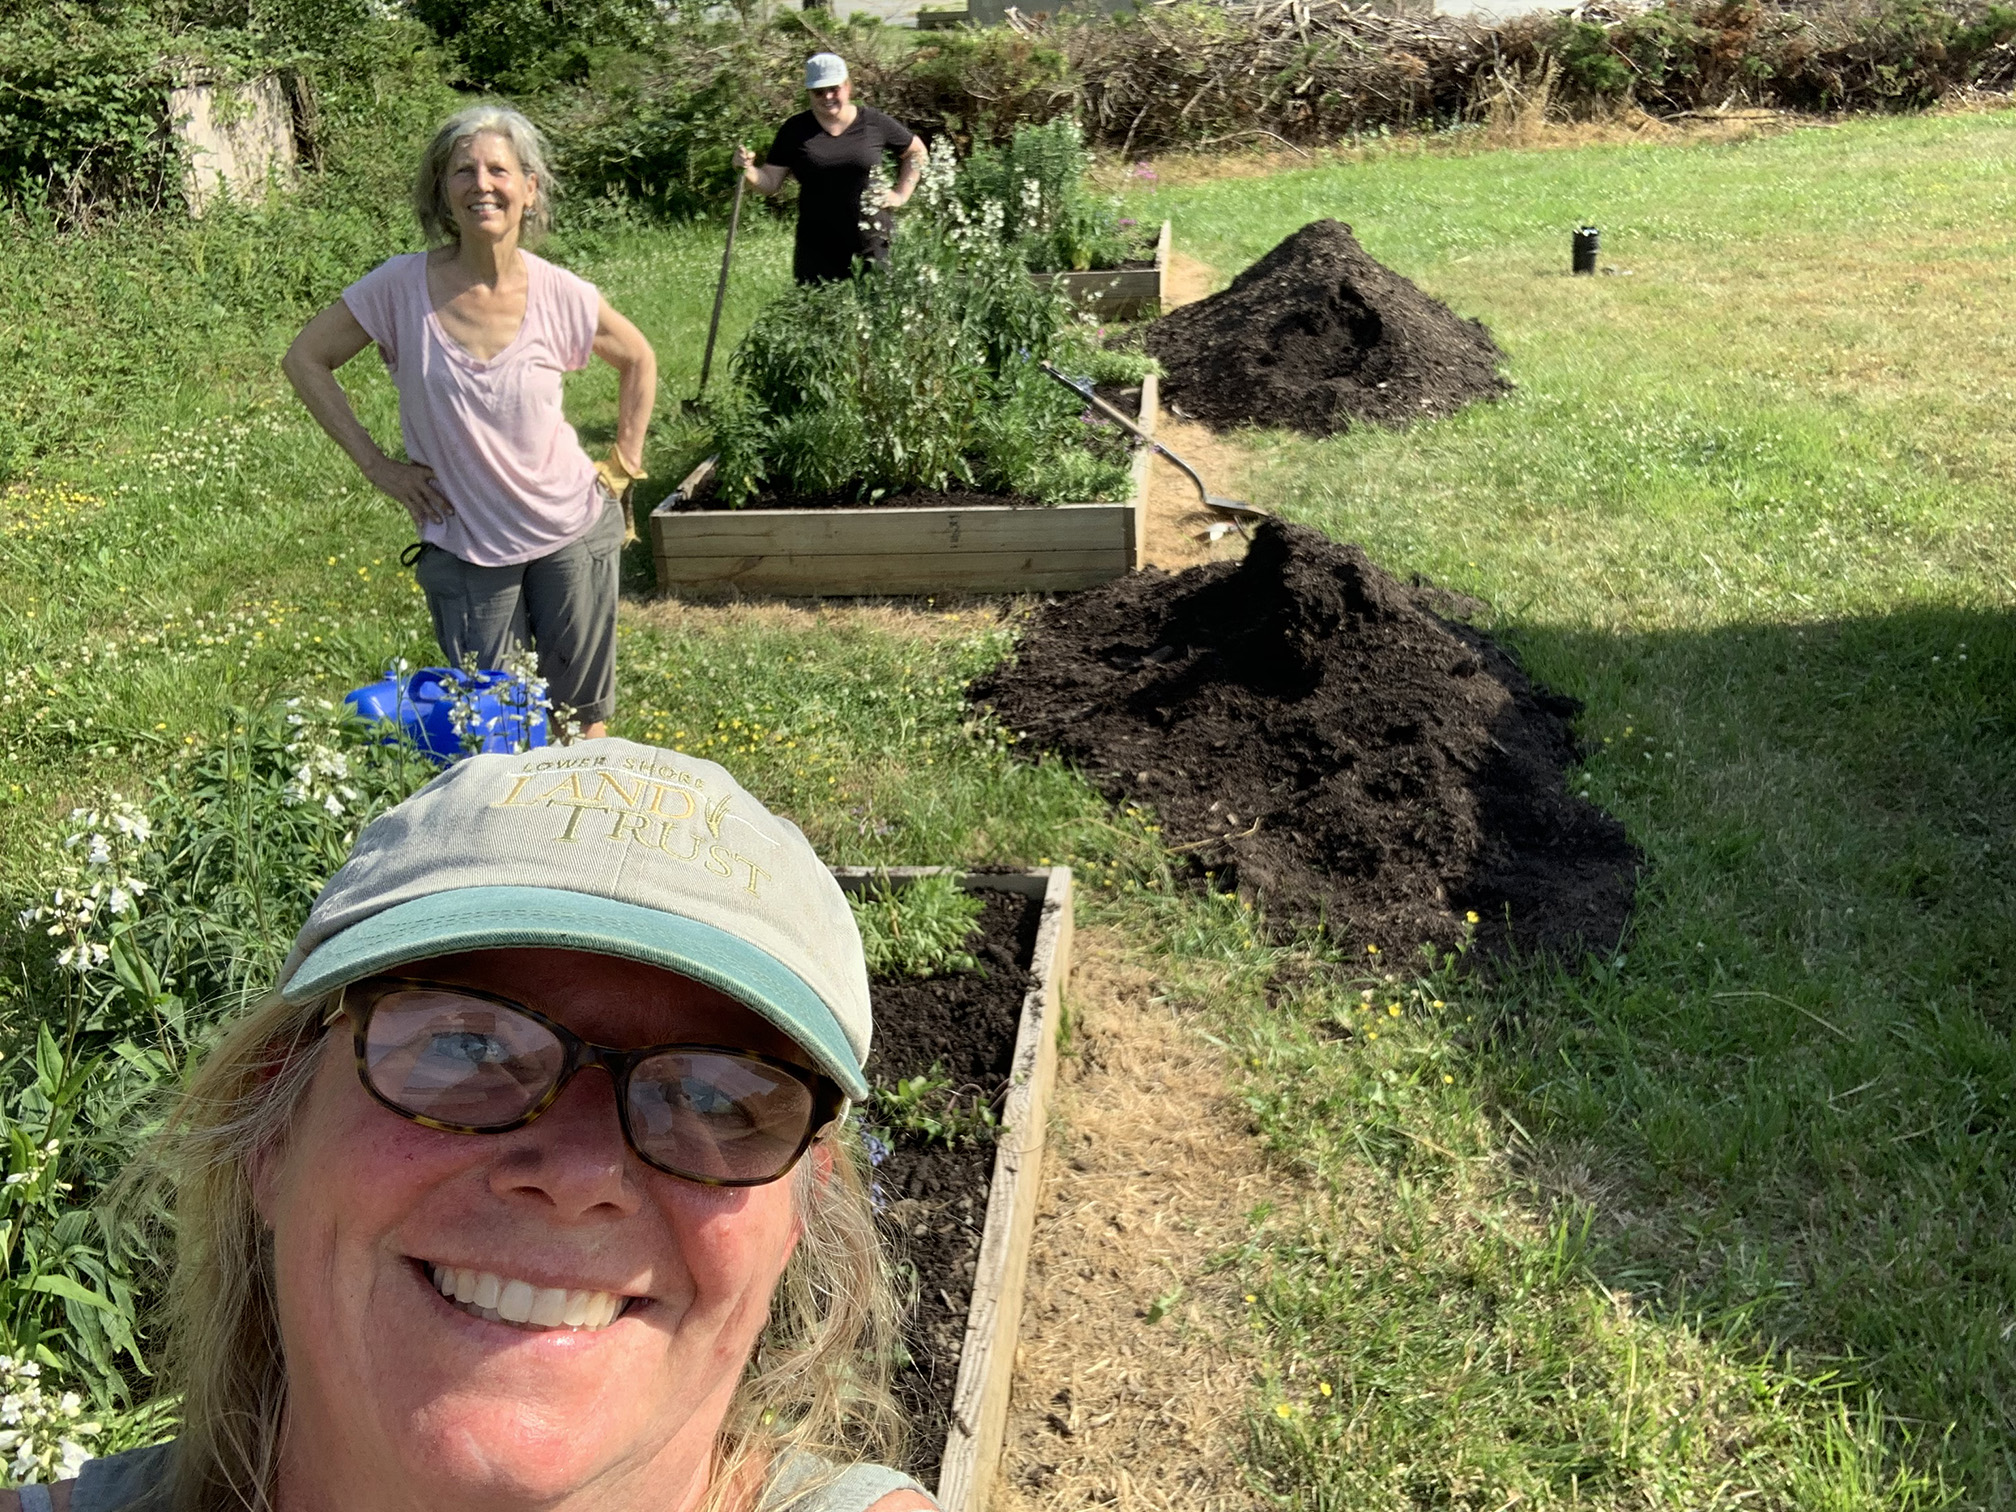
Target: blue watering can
[503, 715]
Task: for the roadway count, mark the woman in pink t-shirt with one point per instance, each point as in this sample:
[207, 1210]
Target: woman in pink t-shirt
[520, 532]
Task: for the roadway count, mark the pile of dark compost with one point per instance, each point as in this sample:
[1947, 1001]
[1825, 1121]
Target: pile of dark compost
[1317, 335]
[933, 1196]
[1312, 734]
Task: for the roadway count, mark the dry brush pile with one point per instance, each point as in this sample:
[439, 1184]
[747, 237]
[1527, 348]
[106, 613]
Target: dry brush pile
[1310, 71]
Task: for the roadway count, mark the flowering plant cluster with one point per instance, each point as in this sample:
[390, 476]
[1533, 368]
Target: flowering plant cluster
[1053, 223]
[45, 1436]
[99, 864]
[519, 705]
[322, 775]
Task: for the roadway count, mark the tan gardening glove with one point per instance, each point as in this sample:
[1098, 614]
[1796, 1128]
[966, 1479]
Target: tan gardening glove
[617, 478]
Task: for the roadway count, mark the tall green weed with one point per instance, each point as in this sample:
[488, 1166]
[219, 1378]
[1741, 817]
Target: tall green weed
[1048, 215]
[166, 916]
[919, 375]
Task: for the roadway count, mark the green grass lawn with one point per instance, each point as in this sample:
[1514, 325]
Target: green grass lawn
[1727, 1219]
[1754, 504]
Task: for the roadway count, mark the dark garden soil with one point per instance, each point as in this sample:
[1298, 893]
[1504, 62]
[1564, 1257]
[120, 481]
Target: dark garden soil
[1310, 732]
[915, 498]
[1318, 335]
[933, 1197]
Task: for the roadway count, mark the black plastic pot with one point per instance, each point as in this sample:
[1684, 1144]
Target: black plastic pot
[1587, 241]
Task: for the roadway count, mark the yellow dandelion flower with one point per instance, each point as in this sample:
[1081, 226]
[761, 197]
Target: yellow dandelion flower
[1324, 1387]
[1470, 917]
[1283, 1410]
[1393, 1010]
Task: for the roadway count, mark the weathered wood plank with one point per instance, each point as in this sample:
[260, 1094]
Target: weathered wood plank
[1146, 418]
[993, 1321]
[1120, 293]
[868, 532]
[888, 577]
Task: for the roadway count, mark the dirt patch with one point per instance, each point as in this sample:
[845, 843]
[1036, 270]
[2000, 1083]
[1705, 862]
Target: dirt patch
[1186, 280]
[1110, 1409]
[1178, 525]
[1179, 533]
[1319, 335]
[932, 1197]
[910, 498]
[1313, 734]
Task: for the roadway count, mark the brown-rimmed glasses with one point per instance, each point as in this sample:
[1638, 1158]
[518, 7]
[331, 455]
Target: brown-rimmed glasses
[468, 1062]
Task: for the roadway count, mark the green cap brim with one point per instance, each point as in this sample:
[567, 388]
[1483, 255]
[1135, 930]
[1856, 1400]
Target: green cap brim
[493, 918]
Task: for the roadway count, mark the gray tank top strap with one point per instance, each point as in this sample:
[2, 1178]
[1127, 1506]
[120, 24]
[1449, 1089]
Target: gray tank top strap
[807, 1483]
[135, 1481]
[35, 1499]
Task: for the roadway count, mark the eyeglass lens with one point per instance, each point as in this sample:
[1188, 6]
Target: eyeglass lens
[459, 1060]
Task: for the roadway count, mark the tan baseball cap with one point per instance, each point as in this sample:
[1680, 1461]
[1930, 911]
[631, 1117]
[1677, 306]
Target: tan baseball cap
[611, 847]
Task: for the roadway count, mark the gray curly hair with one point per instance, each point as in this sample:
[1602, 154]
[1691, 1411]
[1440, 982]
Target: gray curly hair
[430, 184]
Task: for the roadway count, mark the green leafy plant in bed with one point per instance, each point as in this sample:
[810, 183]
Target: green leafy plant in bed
[917, 930]
[1053, 222]
[919, 376]
[930, 1107]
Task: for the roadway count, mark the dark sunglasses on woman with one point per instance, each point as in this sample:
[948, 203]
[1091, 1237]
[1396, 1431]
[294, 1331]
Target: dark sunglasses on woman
[466, 1062]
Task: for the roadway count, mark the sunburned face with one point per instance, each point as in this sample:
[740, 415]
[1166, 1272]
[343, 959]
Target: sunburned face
[488, 189]
[608, 1309]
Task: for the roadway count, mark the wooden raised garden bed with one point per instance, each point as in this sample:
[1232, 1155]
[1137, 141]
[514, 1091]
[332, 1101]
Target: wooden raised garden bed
[976, 1415]
[1119, 293]
[896, 552]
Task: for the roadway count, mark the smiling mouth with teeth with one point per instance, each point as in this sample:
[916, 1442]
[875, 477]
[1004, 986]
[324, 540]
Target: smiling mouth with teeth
[484, 1294]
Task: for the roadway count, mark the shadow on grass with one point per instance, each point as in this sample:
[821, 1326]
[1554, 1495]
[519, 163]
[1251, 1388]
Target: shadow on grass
[1790, 1104]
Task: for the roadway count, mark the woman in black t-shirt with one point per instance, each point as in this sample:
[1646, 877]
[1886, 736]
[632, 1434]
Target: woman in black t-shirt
[831, 149]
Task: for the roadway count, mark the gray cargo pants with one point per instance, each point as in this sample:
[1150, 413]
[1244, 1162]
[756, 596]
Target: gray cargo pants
[563, 605]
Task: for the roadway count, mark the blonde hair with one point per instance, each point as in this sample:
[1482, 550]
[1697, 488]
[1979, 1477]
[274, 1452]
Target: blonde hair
[430, 184]
[817, 1381]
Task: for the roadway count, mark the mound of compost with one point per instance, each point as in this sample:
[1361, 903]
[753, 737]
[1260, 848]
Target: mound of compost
[1319, 334]
[1312, 734]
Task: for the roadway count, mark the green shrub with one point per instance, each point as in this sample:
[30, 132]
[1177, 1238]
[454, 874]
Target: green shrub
[976, 86]
[921, 375]
[83, 114]
[918, 929]
[655, 127]
[526, 44]
[162, 919]
[1038, 180]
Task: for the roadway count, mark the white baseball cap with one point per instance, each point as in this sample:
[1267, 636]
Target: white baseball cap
[824, 70]
[611, 847]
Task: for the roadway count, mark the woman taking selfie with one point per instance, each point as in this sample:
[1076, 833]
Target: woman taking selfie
[527, 1187]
